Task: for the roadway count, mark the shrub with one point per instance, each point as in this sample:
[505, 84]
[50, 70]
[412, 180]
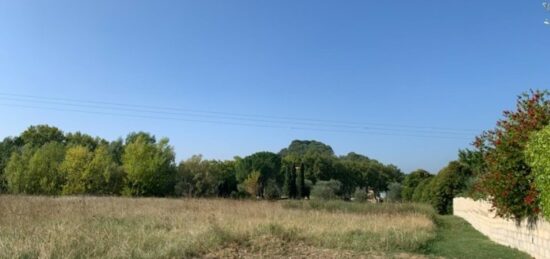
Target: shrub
[360, 195]
[271, 190]
[394, 192]
[326, 190]
[411, 181]
[450, 181]
[538, 157]
[507, 181]
[251, 184]
[420, 189]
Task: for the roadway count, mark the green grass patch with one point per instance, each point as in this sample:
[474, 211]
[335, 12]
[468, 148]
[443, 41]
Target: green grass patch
[456, 238]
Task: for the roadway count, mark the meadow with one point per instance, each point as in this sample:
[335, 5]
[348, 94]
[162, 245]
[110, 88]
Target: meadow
[118, 227]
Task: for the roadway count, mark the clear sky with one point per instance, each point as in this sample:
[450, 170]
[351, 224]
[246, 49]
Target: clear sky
[397, 72]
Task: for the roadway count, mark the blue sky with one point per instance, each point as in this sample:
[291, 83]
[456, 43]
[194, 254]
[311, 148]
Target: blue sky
[420, 65]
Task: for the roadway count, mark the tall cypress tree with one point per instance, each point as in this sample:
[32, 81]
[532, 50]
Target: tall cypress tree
[300, 183]
[292, 182]
[286, 186]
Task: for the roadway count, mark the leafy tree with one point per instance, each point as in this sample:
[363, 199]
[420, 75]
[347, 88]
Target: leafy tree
[267, 164]
[7, 147]
[41, 134]
[91, 172]
[133, 136]
[149, 166]
[116, 149]
[449, 182]
[326, 190]
[205, 178]
[74, 167]
[427, 194]
[538, 157]
[301, 148]
[317, 157]
[411, 181]
[228, 182]
[394, 192]
[17, 173]
[36, 170]
[44, 168]
[508, 182]
[81, 139]
[419, 194]
[251, 184]
[107, 175]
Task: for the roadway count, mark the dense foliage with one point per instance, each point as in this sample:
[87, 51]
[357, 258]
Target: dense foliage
[45, 160]
[538, 157]
[507, 180]
[411, 181]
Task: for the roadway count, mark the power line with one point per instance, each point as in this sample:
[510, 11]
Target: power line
[370, 132]
[244, 116]
[25, 101]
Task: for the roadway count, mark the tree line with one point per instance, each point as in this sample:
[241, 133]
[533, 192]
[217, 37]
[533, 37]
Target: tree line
[508, 166]
[44, 160]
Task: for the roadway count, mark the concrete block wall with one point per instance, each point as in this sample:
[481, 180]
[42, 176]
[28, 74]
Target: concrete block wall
[535, 242]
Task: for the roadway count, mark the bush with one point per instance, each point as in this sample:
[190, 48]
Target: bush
[411, 181]
[538, 157]
[420, 189]
[394, 192]
[271, 190]
[360, 195]
[450, 181]
[326, 190]
[508, 182]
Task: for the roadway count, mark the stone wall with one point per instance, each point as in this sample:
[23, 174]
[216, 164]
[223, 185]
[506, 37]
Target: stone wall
[535, 242]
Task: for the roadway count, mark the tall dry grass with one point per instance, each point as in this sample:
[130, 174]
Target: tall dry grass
[114, 227]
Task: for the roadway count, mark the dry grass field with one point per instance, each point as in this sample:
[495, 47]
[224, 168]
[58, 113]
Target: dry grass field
[113, 227]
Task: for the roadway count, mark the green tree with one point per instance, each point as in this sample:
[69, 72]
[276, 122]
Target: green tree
[41, 134]
[17, 173]
[7, 147]
[74, 167]
[449, 182]
[107, 176]
[91, 172]
[267, 164]
[205, 178]
[538, 157]
[81, 139]
[36, 170]
[251, 184]
[149, 166]
[301, 148]
[411, 181]
[419, 194]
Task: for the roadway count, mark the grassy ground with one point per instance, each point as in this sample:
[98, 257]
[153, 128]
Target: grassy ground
[76, 227]
[109, 227]
[456, 238]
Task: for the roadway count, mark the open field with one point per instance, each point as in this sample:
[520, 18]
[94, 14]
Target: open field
[93, 227]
